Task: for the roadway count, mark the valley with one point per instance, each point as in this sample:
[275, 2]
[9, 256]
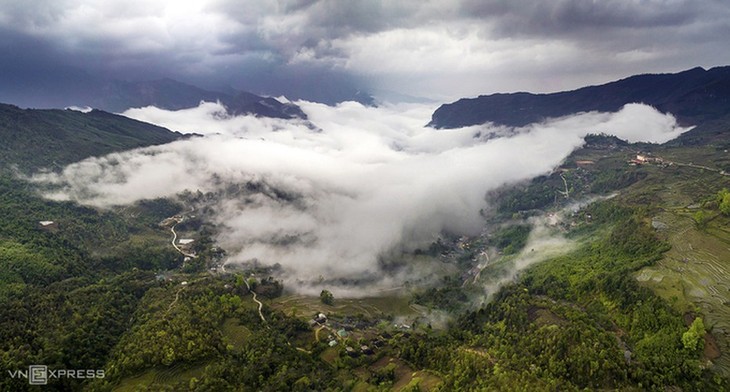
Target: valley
[363, 338]
[365, 196]
[368, 343]
[607, 272]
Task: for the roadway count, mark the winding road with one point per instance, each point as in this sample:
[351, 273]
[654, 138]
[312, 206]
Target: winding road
[566, 193]
[174, 238]
[718, 171]
[316, 332]
[253, 293]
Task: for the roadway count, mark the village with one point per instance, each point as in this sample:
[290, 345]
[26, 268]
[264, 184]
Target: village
[647, 158]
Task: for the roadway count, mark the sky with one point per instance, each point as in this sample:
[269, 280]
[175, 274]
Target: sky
[440, 50]
[365, 187]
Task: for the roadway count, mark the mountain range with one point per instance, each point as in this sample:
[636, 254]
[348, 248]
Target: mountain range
[117, 96]
[694, 96]
[38, 138]
[114, 95]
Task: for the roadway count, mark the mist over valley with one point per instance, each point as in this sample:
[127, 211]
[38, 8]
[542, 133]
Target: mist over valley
[355, 233]
[334, 196]
[287, 195]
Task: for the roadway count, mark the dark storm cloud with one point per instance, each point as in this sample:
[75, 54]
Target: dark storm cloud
[565, 16]
[327, 48]
[661, 27]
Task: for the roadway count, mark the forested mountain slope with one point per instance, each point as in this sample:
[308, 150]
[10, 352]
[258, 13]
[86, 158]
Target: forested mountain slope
[694, 96]
[34, 138]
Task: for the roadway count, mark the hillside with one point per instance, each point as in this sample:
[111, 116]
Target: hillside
[693, 96]
[33, 138]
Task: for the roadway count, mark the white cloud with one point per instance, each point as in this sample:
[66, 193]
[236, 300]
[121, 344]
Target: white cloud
[448, 60]
[372, 181]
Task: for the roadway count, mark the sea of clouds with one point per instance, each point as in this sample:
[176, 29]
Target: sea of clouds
[363, 183]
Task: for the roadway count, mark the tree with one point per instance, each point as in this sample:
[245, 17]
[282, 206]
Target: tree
[701, 217]
[696, 331]
[723, 199]
[326, 297]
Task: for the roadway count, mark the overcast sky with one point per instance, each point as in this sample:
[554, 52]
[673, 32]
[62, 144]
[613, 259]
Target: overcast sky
[437, 49]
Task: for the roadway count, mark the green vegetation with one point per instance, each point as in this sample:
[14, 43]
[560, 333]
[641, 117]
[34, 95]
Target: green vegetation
[723, 201]
[511, 239]
[701, 218]
[326, 297]
[599, 173]
[573, 322]
[65, 300]
[691, 339]
[32, 138]
[199, 329]
[632, 306]
[449, 296]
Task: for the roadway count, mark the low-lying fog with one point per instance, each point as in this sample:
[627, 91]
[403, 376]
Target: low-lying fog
[363, 183]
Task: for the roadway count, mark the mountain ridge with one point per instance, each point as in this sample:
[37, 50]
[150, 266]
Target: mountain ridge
[166, 93]
[694, 96]
[47, 138]
[116, 95]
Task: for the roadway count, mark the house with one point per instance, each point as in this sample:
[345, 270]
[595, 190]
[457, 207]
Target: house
[366, 350]
[320, 318]
[641, 159]
[48, 225]
[167, 222]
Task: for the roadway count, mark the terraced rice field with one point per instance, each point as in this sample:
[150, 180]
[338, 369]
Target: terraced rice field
[695, 274]
[158, 379]
[373, 307]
